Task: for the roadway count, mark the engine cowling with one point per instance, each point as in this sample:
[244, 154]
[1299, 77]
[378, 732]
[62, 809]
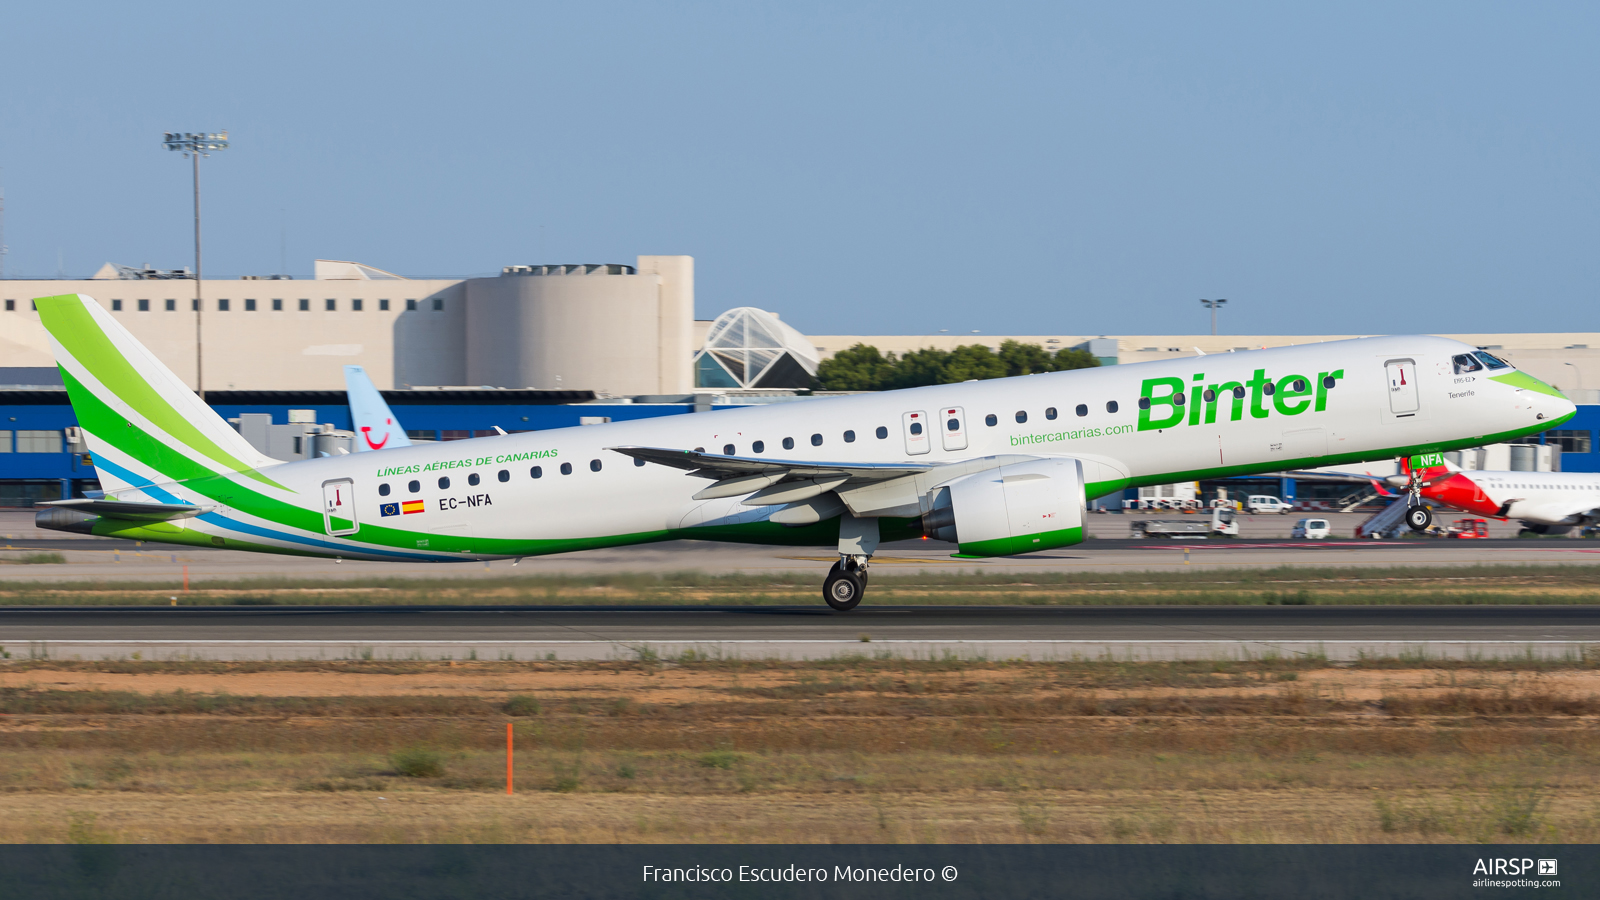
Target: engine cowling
[1015, 508]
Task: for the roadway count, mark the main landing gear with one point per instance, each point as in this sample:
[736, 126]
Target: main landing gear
[846, 582]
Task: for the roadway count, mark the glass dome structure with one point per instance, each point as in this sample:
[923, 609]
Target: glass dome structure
[751, 348]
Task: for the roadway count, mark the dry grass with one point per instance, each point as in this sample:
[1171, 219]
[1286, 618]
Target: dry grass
[856, 751]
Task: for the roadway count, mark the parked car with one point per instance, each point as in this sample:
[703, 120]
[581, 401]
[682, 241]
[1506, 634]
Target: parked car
[1262, 503]
[1468, 528]
[1310, 529]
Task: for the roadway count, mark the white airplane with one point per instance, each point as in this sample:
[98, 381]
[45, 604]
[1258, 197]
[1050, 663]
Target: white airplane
[375, 426]
[999, 467]
[1545, 502]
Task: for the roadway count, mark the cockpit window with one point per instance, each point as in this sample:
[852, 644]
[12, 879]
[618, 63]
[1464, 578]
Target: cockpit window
[1492, 361]
[1466, 363]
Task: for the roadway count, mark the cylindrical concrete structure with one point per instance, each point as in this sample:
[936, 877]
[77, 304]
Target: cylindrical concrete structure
[677, 344]
[590, 331]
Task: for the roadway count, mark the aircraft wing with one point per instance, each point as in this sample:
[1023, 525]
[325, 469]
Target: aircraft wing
[718, 467]
[127, 509]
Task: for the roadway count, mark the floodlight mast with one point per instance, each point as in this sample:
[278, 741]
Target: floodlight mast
[193, 146]
[1213, 305]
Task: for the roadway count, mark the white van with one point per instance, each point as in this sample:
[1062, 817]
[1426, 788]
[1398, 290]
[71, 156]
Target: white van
[1310, 529]
[1262, 503]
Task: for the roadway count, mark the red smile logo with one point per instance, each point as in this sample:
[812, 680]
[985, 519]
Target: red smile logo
[366, 434]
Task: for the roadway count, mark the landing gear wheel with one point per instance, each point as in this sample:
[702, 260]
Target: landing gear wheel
[843, 588]
[1419, 518]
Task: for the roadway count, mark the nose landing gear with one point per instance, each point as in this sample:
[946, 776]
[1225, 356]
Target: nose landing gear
[1419, 518]
[846, 582]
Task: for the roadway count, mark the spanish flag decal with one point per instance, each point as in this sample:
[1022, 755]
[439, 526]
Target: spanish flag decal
[413, 506]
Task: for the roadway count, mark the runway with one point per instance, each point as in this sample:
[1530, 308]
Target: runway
[563, 633]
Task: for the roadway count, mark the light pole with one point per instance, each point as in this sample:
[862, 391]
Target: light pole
[193, 146]
[1213, 306]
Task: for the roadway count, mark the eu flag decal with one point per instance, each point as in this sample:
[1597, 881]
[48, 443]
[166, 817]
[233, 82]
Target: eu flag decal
[389, 509]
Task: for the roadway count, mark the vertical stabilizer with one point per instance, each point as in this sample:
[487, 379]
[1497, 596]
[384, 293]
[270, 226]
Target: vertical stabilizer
[376, 427]
[141, 423]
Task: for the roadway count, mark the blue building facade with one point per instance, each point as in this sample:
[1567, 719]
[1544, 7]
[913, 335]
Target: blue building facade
[40, 461]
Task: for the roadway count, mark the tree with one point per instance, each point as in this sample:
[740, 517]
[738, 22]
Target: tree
[1025, 359]
[864, 368]
[973, 361]
[922, 367]
[860, 368]
[1074, 359]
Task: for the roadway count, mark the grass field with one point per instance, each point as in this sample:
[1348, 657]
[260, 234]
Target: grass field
[1412, 585]
[845, 751]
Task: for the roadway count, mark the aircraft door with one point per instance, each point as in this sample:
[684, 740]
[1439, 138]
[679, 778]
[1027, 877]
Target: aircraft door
[915, 427]
[1402, 386]
[339, 506]
[954, 430]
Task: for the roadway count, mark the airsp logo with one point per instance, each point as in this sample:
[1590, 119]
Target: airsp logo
[1513, 867]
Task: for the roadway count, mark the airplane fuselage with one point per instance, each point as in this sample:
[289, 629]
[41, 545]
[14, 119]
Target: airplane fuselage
[533, 493]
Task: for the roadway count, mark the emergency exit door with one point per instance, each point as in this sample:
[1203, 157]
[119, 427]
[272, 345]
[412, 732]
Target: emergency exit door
[954, 428]
[915, 427]
[1402, 386]
[339, 506]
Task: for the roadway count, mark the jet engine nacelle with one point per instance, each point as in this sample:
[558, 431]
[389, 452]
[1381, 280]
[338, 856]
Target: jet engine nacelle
[1015, 508]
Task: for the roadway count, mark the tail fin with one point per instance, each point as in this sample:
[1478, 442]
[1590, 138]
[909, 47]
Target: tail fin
[371, 417]
[142, 424]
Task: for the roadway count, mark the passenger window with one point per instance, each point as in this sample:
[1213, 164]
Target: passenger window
[1466, 362]
[727, 449]
[1238, 393]
[444, 483]
[990, 420]
[536, 472]
[758, 447]
[594, 465]
[1111, 406]
[504, 475]
[1269, 389]
[1299, 385]
[566, 468]
[916, 427]
[849, 437]
[1021, 417]
[1082, 410]
[1178, 398]
[640, 463]
[816, 440]
[473, 479]
[414, 486]
[1144, 402]
[383, 490]
[788, 443]
[1050, 412]
[1210, 396]
[953, 424]
[882, 433]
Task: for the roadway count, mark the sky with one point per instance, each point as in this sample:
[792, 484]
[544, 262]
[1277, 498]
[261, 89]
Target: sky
[859, 168]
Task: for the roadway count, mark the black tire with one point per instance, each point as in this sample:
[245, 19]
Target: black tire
[1419, 518]
[843, 589]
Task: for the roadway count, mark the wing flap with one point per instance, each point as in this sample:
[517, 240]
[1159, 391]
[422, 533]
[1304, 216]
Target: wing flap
[718, 467]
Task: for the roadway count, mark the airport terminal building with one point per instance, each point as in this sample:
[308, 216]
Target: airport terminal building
[543, 346]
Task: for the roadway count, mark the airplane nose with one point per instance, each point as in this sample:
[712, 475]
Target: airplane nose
[1554, 409]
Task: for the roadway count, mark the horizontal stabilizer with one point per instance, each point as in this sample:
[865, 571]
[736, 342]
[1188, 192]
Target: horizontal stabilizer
[718, 467]
[125, 509]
